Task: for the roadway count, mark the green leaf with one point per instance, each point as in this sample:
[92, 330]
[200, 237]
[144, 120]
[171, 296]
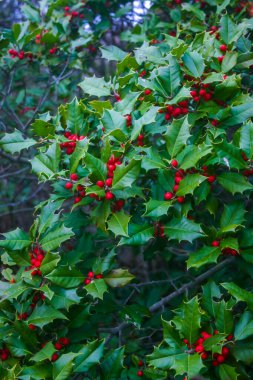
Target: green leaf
[156, 209]
[49, 262]
[189, 184]
[15, 240]
[246, 138]
[148, 118]
[171, 335]
[113, 53]
[234, 182]
[66, 277]
[182, 229]
[194, 62]
[192, 154]
[227, 30]
[118, 223]
[177, 135]
[244, 327]
[152, 160]
[113, 121]
[96, 167]
[11, 291]
[43, 128]
[167, 79]
[46, 164]
[96, 288]
[204, 255]
[214, 343]
[64, 298]
[45, 353]
[232, 217]
[78, 154]
[15, 142]
[63, 367]
[226, 372]
[243, 351]
[48, 216]
[125, 175]
[239, 114]
[138, 235]
[54, 238]
[239, 294]
[43, 315]
[229, 61]
[112, 366]
[100, 106]
[190, 323]
[188, 364]
[118, 278]
[230, 155]
[127, 104]
[90, 355]
[224, 321]
[95, 86]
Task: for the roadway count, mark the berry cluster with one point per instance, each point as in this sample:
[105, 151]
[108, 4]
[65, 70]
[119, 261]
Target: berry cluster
[72, 14]
[92, 276]
[175, 111]
[140, 373]
[70, 146]
[26, 109]
[200, 92]
[198, 347]
[4, 354]
[36, 257]
[20, 54]
[111, 166]
[140, 140]
[53, 50]
[230, 251]
[128, 120]
[179, 175]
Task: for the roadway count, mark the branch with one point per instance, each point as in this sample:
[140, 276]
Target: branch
[156, 306]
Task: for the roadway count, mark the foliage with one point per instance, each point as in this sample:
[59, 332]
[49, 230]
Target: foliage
[150, 174]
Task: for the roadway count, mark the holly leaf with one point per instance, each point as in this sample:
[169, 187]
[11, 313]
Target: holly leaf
[90, 355]
[190, 323]
[189, 183]
[125, 175]
[155, 209]
[112, 366]
[239, 294]
[118, 223]
[113, 53]
[45, 353]
[96, 288]
[15, 142]
[244, 327]
[232, 217]
[43, 315]
[15, 240]
[234, 182]
[194, 62]
[226, 372]
[203, 256]
[63, 367]
[95, 86]
[138, 235]
[66, 277]
[182, 229]
[177, 135]
[54, 238]
[118, 278]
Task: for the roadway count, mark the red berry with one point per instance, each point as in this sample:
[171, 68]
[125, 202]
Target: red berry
[109, 195]
[140, 373]
[225, 351]
[193, 93]
[180, 199]
[174, 163]
[32, 327]
[68, 185]
[175, 188]
[196, 99]
[215, 363]
[98, 276]
[211, 178]
[215, 243]
[147, 91]
[58, 346]
[4, 356]
[168, 195]
[178, 180]
[77, 199]
[90, 274]
[220, 359]
[223, 48]
[205, 335]
[204, 355]
[100, 183]
[202, 92]
[65, 341]
[140, 363]
[108, 182]
[230, 337]
[54, 357]
[74, 177]
[199, 348]
[220, 59]
[87, 281]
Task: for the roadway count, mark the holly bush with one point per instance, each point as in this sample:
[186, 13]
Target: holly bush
[139, 263]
